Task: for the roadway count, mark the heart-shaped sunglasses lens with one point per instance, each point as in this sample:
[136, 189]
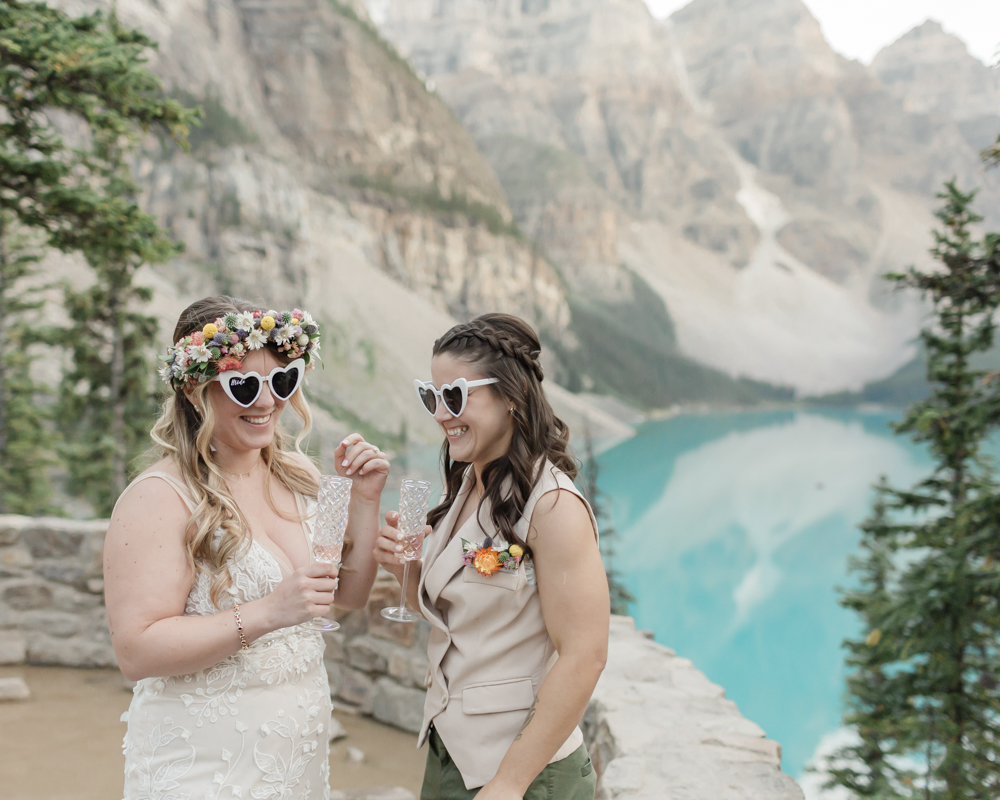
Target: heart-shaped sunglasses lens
[454, 399]
[428, 398]
[283, 384]
[244, 389]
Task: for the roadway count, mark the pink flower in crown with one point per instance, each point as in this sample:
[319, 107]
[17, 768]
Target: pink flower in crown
[197, 338]
[258, 314]
[227, 363]
[233, 338]
[297, 313]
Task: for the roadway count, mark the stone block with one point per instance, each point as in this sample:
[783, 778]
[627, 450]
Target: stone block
[46, 542]
[26, 595]
[356, 688]
[353, 623]
[14, 689]
[54, 623]
[398, 705]
[13, 647]
[335, 646]
[77, 651]
[10, 532]
[402, 633]
[370, 654]
[75, 601]
[17, 557]
[63, 570]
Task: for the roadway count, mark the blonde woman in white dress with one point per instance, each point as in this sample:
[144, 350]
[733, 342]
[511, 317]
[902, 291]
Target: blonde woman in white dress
[207, 568]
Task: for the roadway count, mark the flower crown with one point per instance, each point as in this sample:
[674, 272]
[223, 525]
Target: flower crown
[221, 345]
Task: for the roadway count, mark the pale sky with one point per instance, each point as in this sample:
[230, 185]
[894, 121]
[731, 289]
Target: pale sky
[860, 28]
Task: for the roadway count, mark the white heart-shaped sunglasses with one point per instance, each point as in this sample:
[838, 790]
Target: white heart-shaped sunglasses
[243, 388]
[454, 396]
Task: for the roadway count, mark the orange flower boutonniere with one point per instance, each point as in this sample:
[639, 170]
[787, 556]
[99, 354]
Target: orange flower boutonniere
[488, 560]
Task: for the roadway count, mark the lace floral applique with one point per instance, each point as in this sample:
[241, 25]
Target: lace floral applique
[284, 767]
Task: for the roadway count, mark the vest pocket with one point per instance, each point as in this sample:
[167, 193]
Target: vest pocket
[502, 579]
[492, 698]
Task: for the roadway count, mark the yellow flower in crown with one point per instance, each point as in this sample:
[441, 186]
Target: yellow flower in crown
[267, 323]
[210, 330]
[516, 550]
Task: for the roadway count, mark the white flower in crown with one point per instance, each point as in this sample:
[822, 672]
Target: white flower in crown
[199, 353]
[282, 337]
[239, 350]
[256, 339]
[244, 322]
[306, 319]
[166, 372]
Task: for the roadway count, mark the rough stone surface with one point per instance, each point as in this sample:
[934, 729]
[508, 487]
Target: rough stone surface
[657, 728]
[14, 689]
[398, 705]
[13, 647]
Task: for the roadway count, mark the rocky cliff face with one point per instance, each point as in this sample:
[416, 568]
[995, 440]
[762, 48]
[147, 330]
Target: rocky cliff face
[932, 72]
[326, 175]
[756, 180]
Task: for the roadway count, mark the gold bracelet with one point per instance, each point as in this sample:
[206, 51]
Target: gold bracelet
[239, 627]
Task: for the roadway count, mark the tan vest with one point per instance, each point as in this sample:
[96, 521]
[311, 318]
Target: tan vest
[489, 649]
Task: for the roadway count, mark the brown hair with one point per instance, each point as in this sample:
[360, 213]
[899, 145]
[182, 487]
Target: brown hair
[186, 436]
[506, 347]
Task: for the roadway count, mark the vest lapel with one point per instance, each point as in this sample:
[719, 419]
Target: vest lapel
[431, 582]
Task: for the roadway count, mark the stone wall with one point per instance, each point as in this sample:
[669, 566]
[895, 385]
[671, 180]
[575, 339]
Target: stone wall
[656, 727]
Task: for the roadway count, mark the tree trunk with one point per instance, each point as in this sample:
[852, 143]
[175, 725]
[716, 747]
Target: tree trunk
[119, 473]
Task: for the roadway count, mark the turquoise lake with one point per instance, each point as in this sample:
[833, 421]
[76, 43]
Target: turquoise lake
[734, 531]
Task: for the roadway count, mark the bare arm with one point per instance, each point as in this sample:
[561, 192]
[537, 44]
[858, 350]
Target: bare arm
[574, 593]
[147, 581]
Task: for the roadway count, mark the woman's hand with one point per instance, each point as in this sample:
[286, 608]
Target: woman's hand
[364, 464]
[389, 545]
[494, 791]
[306, 593]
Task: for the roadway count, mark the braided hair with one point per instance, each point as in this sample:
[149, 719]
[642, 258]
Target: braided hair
[505, 347]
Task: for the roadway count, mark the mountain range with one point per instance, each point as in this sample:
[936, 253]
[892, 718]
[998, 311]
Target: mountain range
[689, 210]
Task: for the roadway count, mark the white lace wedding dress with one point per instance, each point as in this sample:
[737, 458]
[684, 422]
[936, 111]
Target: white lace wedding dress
[253, 726]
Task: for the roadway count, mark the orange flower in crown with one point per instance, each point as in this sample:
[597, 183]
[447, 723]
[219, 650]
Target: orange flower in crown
[486, 561]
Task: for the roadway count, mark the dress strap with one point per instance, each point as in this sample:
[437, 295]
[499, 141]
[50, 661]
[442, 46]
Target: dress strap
[175, 484]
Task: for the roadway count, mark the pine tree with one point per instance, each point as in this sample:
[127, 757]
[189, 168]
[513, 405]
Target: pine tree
[620, 596]
[923, 695]
[84, 200]
[107, 397]
[25, 441]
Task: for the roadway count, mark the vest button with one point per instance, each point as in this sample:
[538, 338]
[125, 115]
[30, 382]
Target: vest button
[444, 697]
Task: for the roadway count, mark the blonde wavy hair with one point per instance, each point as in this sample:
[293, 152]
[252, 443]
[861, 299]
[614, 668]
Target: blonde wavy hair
[185, 436]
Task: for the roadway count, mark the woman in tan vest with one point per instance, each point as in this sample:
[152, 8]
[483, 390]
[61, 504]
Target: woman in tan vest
[511, 581]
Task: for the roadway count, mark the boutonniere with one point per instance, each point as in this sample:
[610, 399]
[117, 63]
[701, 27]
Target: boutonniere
[488, 560]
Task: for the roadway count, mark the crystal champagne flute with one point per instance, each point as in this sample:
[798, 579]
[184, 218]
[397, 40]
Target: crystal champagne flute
[328, 532]
[414, 500]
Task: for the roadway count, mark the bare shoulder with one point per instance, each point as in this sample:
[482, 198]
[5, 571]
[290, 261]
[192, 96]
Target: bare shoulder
[150, 504]
[306, 463]
[560, 515]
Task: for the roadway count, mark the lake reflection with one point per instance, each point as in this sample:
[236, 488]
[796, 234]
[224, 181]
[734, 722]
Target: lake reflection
[734, 530]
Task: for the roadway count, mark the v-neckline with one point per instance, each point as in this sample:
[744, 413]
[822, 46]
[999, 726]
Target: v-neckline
[284, 563]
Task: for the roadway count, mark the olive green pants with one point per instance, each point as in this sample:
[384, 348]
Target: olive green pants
[572, 778]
